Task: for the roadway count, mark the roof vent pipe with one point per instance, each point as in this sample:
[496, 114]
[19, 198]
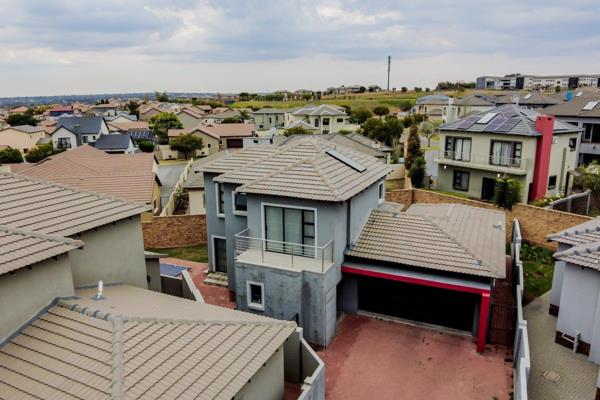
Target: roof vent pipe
[100, 290]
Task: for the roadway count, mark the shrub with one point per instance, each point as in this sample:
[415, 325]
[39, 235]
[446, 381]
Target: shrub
[10, 156]
[146, 146]
[417, 171]
[507, 192]
[39, 153]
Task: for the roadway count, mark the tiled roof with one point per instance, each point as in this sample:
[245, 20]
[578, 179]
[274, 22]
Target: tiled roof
[299, 170]
[79, 125]
[574, 108]
[20, 248]
[113, 142]
[127, 126]
[433, 99]
[226, 130]
[448, 237]
[528, 99]
[585, 255]
[27, 128]
[323, 109]
[71, 353]
[525, 122]
[128, 176]
[301, 124]
[587, 232]
[51, 208]
[476, 99]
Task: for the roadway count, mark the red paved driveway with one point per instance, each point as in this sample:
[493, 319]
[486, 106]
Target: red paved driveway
[374, 359]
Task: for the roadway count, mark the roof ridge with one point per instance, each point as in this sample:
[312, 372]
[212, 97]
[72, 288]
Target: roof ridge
[39, 235]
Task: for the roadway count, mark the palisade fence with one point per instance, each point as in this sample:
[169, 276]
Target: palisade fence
[521, 355]
[169, 208]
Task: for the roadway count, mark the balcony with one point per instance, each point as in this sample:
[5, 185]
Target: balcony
[284, 255]
[513, 166]
[589, 148]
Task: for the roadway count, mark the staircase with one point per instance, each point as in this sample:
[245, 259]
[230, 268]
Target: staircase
[215, 278]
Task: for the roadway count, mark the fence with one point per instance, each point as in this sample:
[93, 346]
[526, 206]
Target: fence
[169, 208]
[174, 231]
[521, 356]
[578, 203]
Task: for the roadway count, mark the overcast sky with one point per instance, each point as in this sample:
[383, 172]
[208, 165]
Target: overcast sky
[80, 46]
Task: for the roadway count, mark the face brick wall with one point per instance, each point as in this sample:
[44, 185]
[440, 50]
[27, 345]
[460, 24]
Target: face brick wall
[174, 231]
[536, 223]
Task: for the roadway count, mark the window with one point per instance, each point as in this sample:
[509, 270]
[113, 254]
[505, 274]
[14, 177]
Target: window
[84, 139]
[290, 230]
[381, 193]
[25, 151]
[340, 120]
[94, 137]
[239, 203]
[255, 295]
[270, 120]
[458, 149]
[506, 154]
[63, 143]
[220, 200]
[316, 122]
[552, 182]
[461, 181]
[572, 144]
[325, 121]
[208, 145]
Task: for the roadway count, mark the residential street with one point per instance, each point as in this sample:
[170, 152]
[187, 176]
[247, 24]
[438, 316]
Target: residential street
[168, 175]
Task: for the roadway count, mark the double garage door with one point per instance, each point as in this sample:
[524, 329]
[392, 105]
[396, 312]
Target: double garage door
[426, 304]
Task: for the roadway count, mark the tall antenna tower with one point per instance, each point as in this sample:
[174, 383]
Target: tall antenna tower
[389, 65]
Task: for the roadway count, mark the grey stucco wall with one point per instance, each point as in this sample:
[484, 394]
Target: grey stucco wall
[112, 253]
[361, 206]
[578, 302]
[557, 278]
[215, 226]
[26, 292]
[235, 222]
[267, 383]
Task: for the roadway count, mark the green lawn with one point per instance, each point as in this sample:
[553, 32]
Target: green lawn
[455, 194]
[394, 184]
[538, 269]
[193, 253]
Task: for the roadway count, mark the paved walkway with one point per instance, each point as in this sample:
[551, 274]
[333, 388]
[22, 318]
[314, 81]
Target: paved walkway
[576, 375]
[375, 359]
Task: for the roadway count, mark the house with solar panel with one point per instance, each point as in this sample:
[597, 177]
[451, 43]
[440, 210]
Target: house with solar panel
[302, 232]
[507, 141]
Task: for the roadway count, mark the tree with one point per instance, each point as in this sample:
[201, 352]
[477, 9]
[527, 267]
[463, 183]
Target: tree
[589, 179]
[385, 131]
[39, 153]
[413, 149]
[362, 89]
[232, 120]
[427, 89]
[404, 89]
[417, 171]
[347, 108]
[146, 146]
[344, 131]
[133, 108]
[21, 119]
[507, 192]
[418, 89]
[307, 96]
[297, 130]
[161, 123]
[557, 89]
[427, 130]
[360, 115]
[374, 88]
[405, 105]
[10, 156]
[186, 143]
[381, 111]
[162, 97]
[244, 96]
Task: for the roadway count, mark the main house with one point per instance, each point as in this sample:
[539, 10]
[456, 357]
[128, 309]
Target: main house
[325, 118]
[72, 132]
[507, 141]
[302, 232]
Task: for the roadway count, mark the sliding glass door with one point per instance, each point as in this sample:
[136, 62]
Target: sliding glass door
[290, 230]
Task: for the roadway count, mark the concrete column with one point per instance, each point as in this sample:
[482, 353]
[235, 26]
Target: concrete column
[484, 312]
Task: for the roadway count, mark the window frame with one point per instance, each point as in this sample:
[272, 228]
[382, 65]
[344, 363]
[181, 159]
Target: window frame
[450, 146]
[220, 197]
[517, 147]
[233, 203]
[573, 140]
[251, 304]
[304, 223]
[454, 173]
[552, 187]
[381, 192]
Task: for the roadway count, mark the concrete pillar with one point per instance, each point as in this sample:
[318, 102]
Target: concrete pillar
[484, 313]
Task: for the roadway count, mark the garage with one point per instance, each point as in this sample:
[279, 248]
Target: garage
[235, 143]
[431, 305]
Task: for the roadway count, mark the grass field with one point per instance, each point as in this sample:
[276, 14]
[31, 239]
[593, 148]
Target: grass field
[191, 253]
[538, 270]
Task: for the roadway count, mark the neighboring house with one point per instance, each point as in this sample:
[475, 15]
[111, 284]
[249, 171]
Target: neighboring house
[189, 118]
[127, 126]
[219, 114]
[109, 227]
[104, 110]
[18, 110]
[194, 185]
[72, 132]
[132, 177]
[576, 288]
[301, 124]
[116, 144]
[467, 105]
[121, 117]
[60, 110]
[325, 118]
[533, 100]
[431, 106]
[518, 81]
[267, 118]
[583, 111]
[507, 141]
[217, 137]
[146, 113]
[22, 137]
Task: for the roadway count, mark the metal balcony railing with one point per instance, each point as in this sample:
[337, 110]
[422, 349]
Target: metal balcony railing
[479, 159]
[282, 254]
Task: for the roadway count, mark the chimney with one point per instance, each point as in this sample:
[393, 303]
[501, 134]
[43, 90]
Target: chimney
[545, 125]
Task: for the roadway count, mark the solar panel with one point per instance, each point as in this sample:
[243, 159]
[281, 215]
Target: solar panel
[496, 122]
[527, 96]
[507, 125]
[346, 160]
[579, 94]
[467, 123]
[590, 105]
[487, 118]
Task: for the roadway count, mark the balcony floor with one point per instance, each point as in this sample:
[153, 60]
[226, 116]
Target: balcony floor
[283, 261]
[513, 170]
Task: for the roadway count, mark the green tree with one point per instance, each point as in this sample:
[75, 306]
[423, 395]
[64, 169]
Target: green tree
[133, 108]
[381, 111]
[307, 96]
[161, 123]
[427, 130]
[413, 149]
[362, 89]
[10, 156]
[186, 143]
[163, 97]
[417, 172]
[507, 192]
[232, 120]
[404, 89]
[589, 179]
[386, 131]
[146, 146]
[244, 96]
[347, 108]
[360, 115]
[297, 130]
[557, 89]
[344, 131]
[39, 153]
[21, 119]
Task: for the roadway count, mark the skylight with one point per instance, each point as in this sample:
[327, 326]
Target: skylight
[346, 160]
[579, 94]
[590, 105]
[487, 118]
[527, 96]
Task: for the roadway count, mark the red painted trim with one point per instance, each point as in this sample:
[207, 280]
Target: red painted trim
[484, 312]
[416, 281]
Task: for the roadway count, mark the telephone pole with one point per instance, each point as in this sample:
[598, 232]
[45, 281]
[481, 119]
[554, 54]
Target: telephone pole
[389, 64]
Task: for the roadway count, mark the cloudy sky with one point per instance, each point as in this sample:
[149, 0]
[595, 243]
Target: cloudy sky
[80, 46]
